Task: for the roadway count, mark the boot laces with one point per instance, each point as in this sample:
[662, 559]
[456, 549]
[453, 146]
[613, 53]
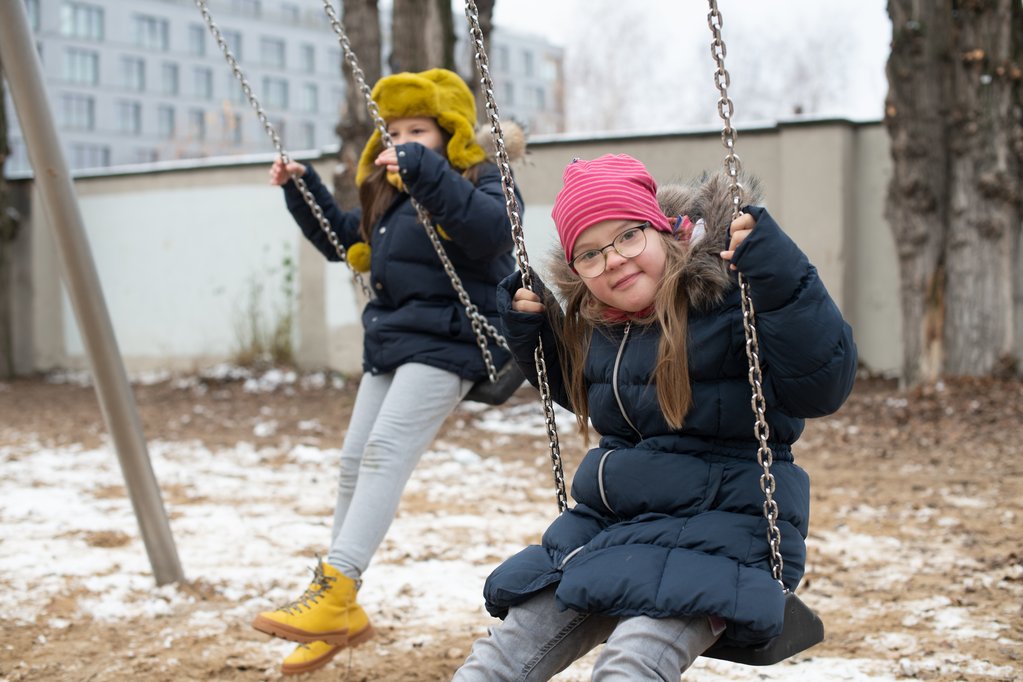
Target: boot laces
[320, 584]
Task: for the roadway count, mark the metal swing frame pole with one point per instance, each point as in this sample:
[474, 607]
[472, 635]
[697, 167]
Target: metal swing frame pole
[24, 75]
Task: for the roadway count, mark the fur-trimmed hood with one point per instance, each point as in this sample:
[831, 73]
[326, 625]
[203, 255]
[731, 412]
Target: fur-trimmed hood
[706, 277]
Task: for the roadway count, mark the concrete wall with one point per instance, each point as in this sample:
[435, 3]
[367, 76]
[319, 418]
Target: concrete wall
[181, 252]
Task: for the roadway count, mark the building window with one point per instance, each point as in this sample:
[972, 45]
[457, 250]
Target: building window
[146, 155]
[79, 20]
[169, 80]
[248, 8]
[539, 98]
[235, 91]
[549, 69]
[527, 63]
[89, 156]
[203, 83]
[281, 128]
[197, 124]
[233, 40]
[275, 92]
[502, 62]
[165, 121]
[271, 51]
[308, 135]
[134, 71]
[308, 56]
[232, 124]
[290, 12]
[309, 98]
[18, 160]
[129, 117]
[79, 112]
[151, 33]
[197, 40]
[81, 66]
[509, 93]
[32, 9]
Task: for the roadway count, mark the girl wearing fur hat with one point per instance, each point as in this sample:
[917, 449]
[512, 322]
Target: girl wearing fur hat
[420, 355]
[665, 550]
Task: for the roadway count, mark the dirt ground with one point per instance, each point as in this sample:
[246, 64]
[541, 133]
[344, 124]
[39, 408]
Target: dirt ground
[929, 479]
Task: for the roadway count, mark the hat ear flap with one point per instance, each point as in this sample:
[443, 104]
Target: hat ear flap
[463, 150]
[369, 154]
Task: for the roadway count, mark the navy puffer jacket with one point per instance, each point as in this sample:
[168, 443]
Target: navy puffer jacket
[669, 522]
[415, 315]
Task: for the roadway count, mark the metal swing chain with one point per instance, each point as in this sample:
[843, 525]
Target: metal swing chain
[314, 207]
[508, 184]
[481, 327]
[733, 165]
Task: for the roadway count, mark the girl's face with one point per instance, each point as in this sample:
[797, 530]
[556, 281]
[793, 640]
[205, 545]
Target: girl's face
[629, 284]
[421, 129]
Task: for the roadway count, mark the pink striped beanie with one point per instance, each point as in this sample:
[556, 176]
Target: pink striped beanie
[611, 187]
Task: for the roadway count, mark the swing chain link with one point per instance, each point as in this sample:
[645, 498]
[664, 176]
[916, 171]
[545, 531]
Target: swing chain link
[759, 405]
[518, 235]
[504, 164]
[357, 73]
[481, 326]
[557, 467]
[275, 139]
[733, 165]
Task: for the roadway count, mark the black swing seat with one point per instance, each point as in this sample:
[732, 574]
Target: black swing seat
[802, 629]
[488, 392]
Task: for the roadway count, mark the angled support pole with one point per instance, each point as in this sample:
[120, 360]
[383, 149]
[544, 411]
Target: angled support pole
[25, 78]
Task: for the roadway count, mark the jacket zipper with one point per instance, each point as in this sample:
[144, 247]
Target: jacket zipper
[614, 379]
[600, 480]
[569, 556]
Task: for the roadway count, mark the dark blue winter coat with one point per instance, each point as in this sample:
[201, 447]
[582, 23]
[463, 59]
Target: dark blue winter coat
[669, 522]
[415, 315]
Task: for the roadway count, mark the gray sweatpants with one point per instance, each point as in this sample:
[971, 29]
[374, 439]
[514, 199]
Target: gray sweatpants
[537, 641]
[394, 420]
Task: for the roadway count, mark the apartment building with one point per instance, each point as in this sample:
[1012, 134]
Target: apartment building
[144, 81]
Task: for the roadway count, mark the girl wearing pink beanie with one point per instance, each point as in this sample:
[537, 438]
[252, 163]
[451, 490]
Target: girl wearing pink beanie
[665, 551]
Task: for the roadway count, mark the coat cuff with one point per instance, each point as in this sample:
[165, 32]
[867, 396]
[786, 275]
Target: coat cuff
[771, 262]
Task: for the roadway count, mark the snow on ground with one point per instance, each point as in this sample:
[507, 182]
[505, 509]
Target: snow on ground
[246, 521]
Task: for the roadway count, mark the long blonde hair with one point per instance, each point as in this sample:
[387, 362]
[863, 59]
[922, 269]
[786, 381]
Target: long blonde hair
[583, 312]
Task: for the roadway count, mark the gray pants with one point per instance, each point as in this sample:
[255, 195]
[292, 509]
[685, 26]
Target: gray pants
[394, 420]
[537, 641]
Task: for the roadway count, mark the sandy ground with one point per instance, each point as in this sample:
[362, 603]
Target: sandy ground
[916, 561]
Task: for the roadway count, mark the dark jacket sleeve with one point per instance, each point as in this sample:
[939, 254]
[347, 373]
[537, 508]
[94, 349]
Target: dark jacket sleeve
[473, 216]
[807, 349]
[345, 224]
[523, 330]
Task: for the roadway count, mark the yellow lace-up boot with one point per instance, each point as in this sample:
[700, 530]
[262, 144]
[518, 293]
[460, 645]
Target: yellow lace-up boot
[309, 657]
[326, 612]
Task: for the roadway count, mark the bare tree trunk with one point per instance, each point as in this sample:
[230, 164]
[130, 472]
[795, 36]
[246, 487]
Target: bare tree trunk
[422, 35]
[362, 22]
[985, 139]
[8, 232]
[446, 20]
[919, 91]
[953, 114]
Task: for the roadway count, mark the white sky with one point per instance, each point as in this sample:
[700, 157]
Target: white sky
[827, 57]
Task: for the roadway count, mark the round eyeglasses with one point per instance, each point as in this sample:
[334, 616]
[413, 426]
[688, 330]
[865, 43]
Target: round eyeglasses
[629, 244]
